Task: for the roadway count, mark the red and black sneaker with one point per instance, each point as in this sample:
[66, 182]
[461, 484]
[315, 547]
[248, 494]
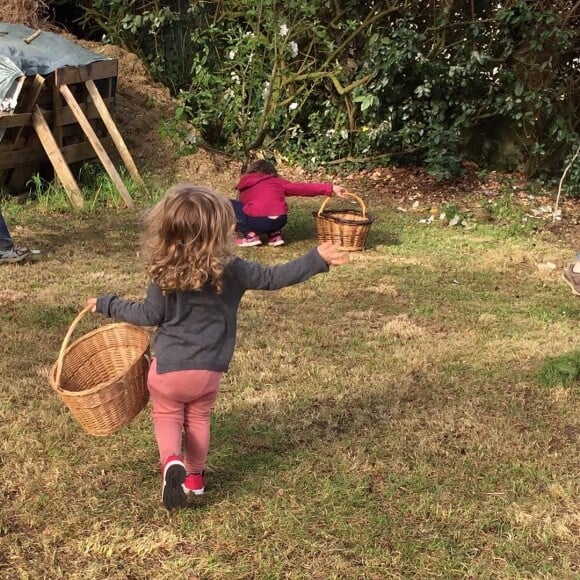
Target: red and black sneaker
[172, 492]
[194, 483]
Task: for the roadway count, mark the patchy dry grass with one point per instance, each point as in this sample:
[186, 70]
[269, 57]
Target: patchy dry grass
[383, 421]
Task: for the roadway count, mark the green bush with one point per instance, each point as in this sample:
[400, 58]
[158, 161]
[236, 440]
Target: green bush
[423, 83]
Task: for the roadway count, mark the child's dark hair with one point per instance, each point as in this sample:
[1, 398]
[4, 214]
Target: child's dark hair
[262, 166]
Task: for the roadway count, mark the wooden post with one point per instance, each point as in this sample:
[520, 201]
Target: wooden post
[20, 175]
[96, 143]
[28, 103]
[113, 131]
[54, 153]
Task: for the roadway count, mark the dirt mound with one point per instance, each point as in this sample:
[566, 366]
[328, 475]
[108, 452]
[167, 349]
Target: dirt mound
[28, 12]
[140, 109]
[142, 105]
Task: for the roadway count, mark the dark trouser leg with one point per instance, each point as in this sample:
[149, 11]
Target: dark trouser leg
[5, 238]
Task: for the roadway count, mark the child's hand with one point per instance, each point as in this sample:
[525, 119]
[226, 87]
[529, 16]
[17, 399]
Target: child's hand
[339, 191]
[332, 254]
[92, 304]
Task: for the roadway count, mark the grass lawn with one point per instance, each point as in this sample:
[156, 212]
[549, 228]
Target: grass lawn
[391, 419]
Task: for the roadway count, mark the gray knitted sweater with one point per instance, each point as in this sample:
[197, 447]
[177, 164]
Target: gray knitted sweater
[196, 329]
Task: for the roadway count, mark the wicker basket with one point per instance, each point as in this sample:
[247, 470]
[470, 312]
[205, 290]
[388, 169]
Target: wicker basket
[102, 376]
[346, 227]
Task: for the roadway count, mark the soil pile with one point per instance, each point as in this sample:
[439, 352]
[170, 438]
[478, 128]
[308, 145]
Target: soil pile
[142, 105]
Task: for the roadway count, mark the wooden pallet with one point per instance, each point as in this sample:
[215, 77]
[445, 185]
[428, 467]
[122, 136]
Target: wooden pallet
[62, 120]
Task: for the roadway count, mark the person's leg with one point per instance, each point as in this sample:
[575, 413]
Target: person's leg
[249, 237]
[275, 234]
[6, 243]
[167, 413]
[9, 253]
[197, 420]
[571, 275]
[241, 218]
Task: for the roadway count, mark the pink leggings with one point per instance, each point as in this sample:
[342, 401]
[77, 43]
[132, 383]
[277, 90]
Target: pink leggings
[182, 401]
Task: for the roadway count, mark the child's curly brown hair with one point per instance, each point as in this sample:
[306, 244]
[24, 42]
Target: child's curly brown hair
[262, 166]
[188, 238]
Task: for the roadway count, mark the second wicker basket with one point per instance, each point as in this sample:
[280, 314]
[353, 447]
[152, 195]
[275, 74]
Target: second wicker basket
[348, 228]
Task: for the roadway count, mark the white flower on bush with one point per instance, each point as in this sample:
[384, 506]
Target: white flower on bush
[266, 90]
[293, 106]
[283, 30]
[232, 54]
[235, 78]
[293, 48]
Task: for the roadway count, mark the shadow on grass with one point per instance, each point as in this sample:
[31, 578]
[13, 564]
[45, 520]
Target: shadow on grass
[108, 233]
[247, 450]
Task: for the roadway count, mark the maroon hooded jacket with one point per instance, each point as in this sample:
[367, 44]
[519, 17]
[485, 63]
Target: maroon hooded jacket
[263, 195]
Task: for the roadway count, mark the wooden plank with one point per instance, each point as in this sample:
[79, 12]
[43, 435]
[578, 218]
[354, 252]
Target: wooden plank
[57, 121]
[57, 116]
[8, 120]
[29, 102]
[97, 146]
[53, 152]
[37, 156]
[100, 69]
[19, 135]
[114, 132]
[89, 109]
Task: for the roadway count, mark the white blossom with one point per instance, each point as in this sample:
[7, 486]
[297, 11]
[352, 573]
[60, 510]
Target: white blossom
[293, 106]
[283, 30]
[266, 90]
[293, 47]
[232, 54]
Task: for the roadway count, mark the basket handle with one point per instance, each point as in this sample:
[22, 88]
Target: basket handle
[65, 343]
[360, 201]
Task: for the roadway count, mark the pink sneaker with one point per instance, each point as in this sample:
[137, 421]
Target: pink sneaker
[194, 483]
[275, 239]
[172, 492]
[250, 239]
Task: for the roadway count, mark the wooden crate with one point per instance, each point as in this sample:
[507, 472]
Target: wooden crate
[62, 120]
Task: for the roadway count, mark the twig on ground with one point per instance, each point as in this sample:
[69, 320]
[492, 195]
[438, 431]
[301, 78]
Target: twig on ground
[561, 182]
[32, 37]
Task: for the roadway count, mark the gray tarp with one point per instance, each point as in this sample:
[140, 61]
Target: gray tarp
[42, 56]
[10, 74]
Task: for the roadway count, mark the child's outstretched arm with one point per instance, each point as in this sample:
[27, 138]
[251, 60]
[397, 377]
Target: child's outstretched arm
[332, 254]
[339, 191]
[255, 276]
[149, 312]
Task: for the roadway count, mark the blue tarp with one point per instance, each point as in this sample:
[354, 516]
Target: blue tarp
[43, 55]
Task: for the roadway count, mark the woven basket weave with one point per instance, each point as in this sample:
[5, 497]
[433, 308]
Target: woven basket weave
[102, 376]
[348, 228]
